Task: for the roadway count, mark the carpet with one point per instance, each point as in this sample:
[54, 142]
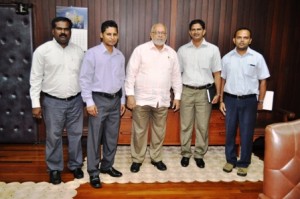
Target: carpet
[214, 161]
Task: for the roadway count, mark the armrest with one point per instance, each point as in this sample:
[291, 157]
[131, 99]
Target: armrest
[286, 114]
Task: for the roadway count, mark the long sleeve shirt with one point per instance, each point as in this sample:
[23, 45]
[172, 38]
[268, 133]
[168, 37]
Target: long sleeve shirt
[55, 70]
[151, 73]
[242, 73]
[102, 71]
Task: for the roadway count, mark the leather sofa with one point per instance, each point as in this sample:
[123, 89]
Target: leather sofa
[282, 161]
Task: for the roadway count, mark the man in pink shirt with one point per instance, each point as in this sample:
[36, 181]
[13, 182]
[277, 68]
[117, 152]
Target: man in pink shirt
[152, 70]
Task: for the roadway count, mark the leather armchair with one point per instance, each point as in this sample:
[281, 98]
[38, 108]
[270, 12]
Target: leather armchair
[282, 161]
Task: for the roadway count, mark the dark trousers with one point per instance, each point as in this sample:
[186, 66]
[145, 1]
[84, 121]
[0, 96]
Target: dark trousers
[242, 113]
[103, 129]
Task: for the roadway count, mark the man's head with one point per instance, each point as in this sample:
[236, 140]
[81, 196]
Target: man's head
[109, 33]
[197, 30]
[242, 39]
[61, 30]
[159, 34]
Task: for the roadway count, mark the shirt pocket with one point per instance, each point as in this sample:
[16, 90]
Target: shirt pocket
[204, 61]
[250, 69]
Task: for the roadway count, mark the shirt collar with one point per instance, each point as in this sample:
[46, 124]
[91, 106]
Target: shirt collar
[152, 46]
[204, 43]
[104, 50]
[58, 45]
[248, 52]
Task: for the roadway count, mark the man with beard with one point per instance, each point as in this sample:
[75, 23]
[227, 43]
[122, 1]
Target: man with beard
[102, 79]
[243, 88]
[151, 72]
[200, 63]
[55, 72]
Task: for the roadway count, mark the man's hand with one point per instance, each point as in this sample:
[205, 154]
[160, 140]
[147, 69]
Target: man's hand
[92, 110]
[123, 109]
[176, 105]
[37, 112]
[130, 102]
[222, 108]
[216, 99]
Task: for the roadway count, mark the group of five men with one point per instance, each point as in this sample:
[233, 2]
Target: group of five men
[67, 77]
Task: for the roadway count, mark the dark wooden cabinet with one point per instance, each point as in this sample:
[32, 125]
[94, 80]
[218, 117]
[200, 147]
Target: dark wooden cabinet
[216, 129]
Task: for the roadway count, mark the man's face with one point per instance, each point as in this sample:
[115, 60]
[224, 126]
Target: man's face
[242, 39]
[62, 33]
[197, 32]
[110, 36]
[159, 35]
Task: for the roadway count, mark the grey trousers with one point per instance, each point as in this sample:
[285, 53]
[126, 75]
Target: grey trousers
[60, 114]
[103, 129]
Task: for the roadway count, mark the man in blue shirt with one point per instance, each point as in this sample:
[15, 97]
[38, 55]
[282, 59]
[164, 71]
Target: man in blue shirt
[243, 88]
[101, 80]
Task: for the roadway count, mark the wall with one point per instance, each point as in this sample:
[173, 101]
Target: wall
[275, 25]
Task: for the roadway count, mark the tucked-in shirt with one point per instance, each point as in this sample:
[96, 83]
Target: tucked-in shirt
[199, 63]
[55, 70]
[242, 73]
[151, 73]
[102, 71]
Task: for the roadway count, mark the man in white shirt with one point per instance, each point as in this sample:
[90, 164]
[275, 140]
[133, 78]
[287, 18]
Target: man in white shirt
[54, 73]
[200, 63]
[151, 72]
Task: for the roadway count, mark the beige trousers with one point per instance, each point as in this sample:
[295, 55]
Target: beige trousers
[194, 113]
[144, 117]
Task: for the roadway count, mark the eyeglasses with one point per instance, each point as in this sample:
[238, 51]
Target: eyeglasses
[159, 33]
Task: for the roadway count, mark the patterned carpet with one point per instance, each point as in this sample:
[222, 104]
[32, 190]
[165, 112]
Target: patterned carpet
[214, 161]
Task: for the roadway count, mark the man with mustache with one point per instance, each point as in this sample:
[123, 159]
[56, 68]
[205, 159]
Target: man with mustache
[102, 79]
[54, 73]
[200, 63]
[151, 72]
[243, 88]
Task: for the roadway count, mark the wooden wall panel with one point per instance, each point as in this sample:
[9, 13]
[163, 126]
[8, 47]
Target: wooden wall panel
[275, 25]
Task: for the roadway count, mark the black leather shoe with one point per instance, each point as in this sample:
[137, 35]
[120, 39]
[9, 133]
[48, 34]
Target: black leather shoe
[200, 163]
[135, 167]
[55, 177]
[95, 181]
[185, 161]
[78, 173]
[112, 172]
[159, 165]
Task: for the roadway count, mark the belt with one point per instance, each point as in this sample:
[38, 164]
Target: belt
[198, 87]
[109, 95]
[239, 96]
[64, 99]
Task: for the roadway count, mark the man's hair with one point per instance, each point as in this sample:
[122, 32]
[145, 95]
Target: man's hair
[197, 21]
[107, 24]
[153, 28]
[57, 19]
[242, 28]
